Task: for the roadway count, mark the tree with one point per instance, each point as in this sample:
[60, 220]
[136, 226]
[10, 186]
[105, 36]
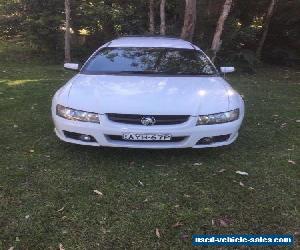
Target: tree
[216, 43]
[68, 32]
[151, 17]
[162, 17]
[266, 28]
[190, 15]
[42, 24]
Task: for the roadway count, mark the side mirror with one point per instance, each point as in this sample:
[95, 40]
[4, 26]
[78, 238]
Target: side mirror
[227, 69]
[71, 66]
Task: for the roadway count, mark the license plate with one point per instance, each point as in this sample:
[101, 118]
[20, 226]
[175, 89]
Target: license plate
[146, 137]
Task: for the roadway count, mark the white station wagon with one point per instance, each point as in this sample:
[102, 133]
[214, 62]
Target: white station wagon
[148, 92]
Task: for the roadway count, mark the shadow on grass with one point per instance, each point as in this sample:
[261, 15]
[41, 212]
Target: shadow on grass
[142, 189]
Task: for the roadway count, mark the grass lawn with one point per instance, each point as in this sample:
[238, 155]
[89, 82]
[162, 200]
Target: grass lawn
[46, 186]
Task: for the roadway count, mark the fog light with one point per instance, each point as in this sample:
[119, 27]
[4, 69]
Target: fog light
[213, 139]
[86, 138]
[80, 137]
[207, 140]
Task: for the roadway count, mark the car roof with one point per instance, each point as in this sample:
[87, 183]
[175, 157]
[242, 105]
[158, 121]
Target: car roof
[152, 42]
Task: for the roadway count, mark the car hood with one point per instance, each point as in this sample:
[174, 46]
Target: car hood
[148, 94]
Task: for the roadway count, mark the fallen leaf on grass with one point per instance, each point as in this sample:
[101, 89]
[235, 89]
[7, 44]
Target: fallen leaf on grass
[283, 125]
[184, 237]
[292, 162]
[157, 233]
[176, 206]
[242, 184]
[222, 170]
[213, 222]
[186, 195]
[27, 216]
[17, 238]
[251, 188]
[16, 126]
[197, 164]
[105, 231]
[177, 224]
[221, 222]
[61, 209]
[163, 174]
[97, 192]
[61, 247]
[11, 248]
[31, 151]
[297, 120]
[141, 183]
[241, 173]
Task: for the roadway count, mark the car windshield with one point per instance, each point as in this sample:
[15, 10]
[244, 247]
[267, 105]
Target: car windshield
[168, 61]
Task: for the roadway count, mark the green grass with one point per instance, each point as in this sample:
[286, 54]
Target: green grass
[39, 175]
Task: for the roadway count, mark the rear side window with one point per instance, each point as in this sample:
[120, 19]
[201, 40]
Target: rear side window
[149, 61]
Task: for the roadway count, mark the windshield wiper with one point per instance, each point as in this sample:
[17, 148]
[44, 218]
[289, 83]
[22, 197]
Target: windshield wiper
[195, 74]
[187, 73]
[136, 72]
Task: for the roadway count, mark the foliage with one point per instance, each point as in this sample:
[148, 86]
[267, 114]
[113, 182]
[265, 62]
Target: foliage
[42, 24]
[283, 45]
[11, 20]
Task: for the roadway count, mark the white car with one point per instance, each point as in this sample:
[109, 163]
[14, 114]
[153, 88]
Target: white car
[148, 92]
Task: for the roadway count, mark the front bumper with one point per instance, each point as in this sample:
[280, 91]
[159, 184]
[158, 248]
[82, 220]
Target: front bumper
[106, 129]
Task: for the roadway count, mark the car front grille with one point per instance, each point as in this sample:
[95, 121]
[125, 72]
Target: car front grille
[136, 119]
[120, 138]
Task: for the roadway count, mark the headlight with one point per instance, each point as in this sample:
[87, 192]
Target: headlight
[76, 115]
[219, 117]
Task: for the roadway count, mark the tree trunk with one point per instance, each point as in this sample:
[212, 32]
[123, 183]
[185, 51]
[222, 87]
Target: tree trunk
[266, 28]
[151, 17]
[216, 43]
[67, 32]
[163, 17]
[190, 15]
